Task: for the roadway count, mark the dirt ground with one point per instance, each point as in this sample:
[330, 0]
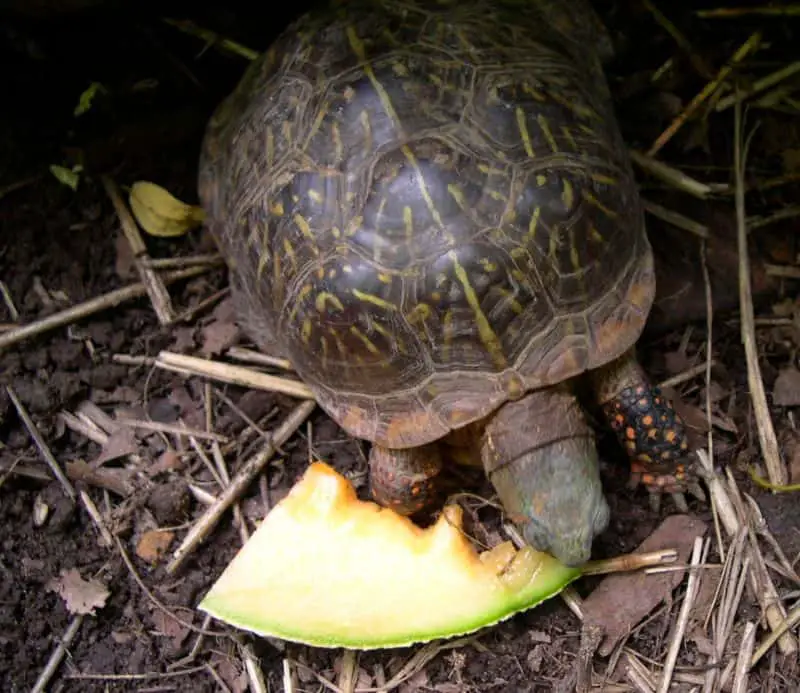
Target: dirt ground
[60, 247]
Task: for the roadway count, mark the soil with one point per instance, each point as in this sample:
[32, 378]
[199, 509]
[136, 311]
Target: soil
[60, 246]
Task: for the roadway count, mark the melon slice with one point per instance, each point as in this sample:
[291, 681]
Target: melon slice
[327, 569]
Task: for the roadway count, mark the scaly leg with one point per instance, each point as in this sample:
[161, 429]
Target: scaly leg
[404, 480]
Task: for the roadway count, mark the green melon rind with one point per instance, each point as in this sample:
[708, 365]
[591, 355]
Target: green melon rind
[551, 580]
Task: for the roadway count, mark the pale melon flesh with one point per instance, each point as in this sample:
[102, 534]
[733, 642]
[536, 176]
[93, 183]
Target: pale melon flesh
[327, 569]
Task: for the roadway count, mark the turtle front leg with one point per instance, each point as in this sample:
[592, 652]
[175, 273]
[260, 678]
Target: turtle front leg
[647, 426]
[404, 480]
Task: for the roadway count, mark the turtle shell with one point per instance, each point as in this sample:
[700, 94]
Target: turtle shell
[428, 208]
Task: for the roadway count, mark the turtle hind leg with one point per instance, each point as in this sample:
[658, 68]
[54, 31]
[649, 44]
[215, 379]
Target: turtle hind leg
[648, 427]
[404, 480]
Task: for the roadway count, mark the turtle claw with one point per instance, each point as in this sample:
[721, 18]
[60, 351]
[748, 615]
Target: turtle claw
[677, 485]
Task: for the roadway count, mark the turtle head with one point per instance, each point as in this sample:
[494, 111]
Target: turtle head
[546, 471]
[567, 524]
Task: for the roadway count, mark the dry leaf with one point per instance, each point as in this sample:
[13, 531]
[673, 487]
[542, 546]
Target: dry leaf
[621, 600]
[169, 627]
[218, 336]
[167, 461]
[222, 332]
[153, 544]
[786, 390]
[80, 596]
[121, 443]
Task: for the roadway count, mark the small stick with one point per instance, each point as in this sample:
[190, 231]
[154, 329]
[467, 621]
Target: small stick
[211, 38]
[190, 312]
[741, 677]
[238, 484]
[236, 375]
[156, 290]
[12, 309]
[57, 655]
[288, 677]
[676, 219]
[735, 12]
[172, 428]
[757, 222]
[97, 518]
[185, 261]
[73, 423]
[784, 271]
[250, 356]
[760, 85]
[791, 620]
[254, 674]
[683, 43]
[747, 47]
[766, 433]
[84, 310]
[688, 374]
[692, 586]
[671, 176]
[44, 450]
[348, 671]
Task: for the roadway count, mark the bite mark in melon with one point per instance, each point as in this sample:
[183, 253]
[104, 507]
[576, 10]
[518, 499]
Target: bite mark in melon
[327, 569]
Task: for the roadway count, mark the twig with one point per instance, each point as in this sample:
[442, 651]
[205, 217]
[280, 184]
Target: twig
[237, 375]
[747, 47]
[735, 12]
[97, 518]
[90, 307]
[9, 301]
[759, 85]
[766, 433]
[156, 290]
[759, 222]
[348, 671]
[698, 555]
[676, 219]
[171, 428]
[288, 677]
[57, 655]
[791, 620]
[188, 314]
[250, 356]
[163, 263]
[238, 484]
[44, 450]
[688, 374]
[743, 660]
[671, 176]
[212, 38]
[254, 674]
[783, 271]
[680, 39]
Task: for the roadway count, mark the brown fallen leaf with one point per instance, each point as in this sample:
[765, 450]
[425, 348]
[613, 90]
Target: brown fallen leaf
[80, 596]
[121, 443]
[153, 544]
[169, 627]
[621, 600]
[222, 332]
[786, 390]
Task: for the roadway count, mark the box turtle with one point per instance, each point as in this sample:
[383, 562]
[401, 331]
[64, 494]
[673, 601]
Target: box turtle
[427, 206]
